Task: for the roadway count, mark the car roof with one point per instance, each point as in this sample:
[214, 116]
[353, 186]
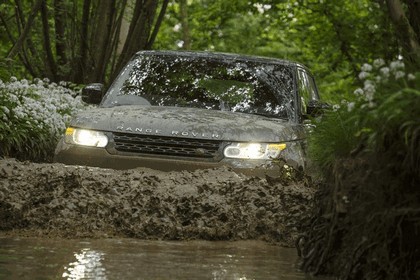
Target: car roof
[222, 56]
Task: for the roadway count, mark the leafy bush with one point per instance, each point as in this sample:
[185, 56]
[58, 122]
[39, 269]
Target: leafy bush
[33, 115]
[366, 219]
[382, 117]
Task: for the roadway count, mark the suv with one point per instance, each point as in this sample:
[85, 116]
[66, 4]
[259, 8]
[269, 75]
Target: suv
[177, 110]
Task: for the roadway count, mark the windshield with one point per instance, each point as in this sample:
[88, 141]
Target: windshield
[205, 82]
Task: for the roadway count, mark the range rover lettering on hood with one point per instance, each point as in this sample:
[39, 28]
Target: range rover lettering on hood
[172, 133]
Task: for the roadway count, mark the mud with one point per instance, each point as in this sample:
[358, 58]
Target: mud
[216, 204]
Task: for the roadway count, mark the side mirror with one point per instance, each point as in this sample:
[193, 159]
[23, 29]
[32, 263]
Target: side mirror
[316, 108]
[92, 93]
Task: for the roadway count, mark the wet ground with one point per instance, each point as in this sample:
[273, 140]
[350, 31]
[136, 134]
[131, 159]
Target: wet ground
[34, 258]
[53, 200]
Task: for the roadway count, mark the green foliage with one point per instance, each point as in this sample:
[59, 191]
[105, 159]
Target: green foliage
[336, 39]
[382, 118]
[226, 26]
[33, 116]
[332, 138]
[332, 39]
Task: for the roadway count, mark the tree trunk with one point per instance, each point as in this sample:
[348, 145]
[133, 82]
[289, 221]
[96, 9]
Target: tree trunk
[125, 25]
[60, 44]
[50, 65]
[81, 62]
[157, 24]
[139, 31]
[405, 31]
[186, 36]
[414, 16]
[102, 38]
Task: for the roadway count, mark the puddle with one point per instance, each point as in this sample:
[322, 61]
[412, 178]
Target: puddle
[35, 258]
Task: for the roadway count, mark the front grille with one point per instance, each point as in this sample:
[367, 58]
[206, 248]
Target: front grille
[160, 145]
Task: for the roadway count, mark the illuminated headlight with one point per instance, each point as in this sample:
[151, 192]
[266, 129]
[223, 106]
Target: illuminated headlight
[253, 150]
[86, 137]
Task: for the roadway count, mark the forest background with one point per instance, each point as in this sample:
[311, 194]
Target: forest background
[88, 41]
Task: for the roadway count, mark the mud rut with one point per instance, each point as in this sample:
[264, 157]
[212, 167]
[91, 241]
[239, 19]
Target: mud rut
[217, 204]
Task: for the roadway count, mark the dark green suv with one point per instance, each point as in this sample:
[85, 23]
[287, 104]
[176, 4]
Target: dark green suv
[173, 110]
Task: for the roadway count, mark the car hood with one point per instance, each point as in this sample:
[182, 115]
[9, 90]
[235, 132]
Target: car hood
[188, 123]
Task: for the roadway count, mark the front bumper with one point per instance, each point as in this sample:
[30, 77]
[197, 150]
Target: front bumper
[99, 157]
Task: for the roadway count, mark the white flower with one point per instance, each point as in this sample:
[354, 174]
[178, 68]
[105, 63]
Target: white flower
[267, 7]
[384, 72]
[366, 67]
[368, 83]
[399, 75]
[411, 77]
[369, 90]
[177, 27]
[369, 95]
[39, 82]
[5, 110]
[378, 63]
[14, 98]
[260, 8]
[358, 91]
[363, 75]
[39, 104]
[19, 113]
[335, 107]
[350, 106]
[396, 65]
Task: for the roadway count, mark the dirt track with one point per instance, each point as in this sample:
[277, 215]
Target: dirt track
[73, 202]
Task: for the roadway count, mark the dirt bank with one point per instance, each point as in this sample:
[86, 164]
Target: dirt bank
[366, 222]
[69, 201]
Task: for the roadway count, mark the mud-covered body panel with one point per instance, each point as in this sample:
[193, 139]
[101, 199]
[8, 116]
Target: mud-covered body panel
[189, 123]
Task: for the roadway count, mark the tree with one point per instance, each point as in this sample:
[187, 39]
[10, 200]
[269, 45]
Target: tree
[405, 16]
[77, 40]
[333, 40]
[186, 36]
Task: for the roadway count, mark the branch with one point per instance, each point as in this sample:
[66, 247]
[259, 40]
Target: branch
[116, 35]
[50, 63]
[18, 45]
[157, 25]
[9, 33]
[60, 46]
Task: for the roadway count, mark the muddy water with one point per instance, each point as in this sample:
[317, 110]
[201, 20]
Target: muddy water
[70, 222]
[36, 258]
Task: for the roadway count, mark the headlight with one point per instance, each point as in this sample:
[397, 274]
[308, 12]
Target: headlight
[253, 150]
[86, 137]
